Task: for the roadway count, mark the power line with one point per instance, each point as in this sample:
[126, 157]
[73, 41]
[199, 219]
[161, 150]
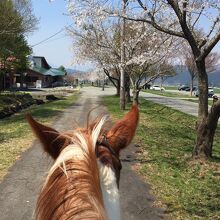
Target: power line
[53, 35]
[54, 39]
[58, 32]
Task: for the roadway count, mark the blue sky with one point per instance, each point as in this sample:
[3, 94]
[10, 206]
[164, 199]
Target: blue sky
[51, 20]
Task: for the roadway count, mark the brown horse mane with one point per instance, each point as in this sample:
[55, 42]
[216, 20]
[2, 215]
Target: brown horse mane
[73, 185]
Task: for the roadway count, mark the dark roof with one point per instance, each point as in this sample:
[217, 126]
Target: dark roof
[55, 72]
[46, 65]
[48, 72]
[41, 66]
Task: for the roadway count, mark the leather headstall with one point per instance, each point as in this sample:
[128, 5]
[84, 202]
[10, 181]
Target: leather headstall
[103, 142]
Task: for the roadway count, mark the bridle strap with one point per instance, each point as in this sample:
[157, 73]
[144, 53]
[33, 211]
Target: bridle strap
[104, 143]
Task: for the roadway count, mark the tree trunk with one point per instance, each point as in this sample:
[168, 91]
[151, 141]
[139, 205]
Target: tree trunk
[136, 96]
[122, 66]
[127, 88]
[118, 90]
[115, 81]
[206, 132]
[103, 82]
[191, 87]
[122, 89]
[127, 96]
[203, 91]
[207, 121]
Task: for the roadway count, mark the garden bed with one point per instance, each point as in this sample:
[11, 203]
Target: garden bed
[11, 103]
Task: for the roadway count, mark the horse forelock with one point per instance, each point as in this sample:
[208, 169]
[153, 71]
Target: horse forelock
[83, 144]
[74, 180]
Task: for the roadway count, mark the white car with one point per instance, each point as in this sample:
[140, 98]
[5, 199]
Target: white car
[210, 92]
[157, 88]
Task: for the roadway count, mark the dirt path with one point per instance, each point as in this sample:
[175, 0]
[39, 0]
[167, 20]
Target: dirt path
[20, 187]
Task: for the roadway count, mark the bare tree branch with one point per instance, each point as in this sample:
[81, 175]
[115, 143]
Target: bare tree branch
[209, 46]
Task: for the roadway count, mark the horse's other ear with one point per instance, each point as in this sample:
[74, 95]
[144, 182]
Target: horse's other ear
[51, 139]
[123, 131]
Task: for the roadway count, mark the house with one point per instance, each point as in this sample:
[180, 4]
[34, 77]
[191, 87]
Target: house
[41, 74]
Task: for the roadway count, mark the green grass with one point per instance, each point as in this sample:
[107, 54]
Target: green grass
[216, 90]
[166, 94]
[210, 101]
[171, 87]
[189, 189]
[15, 134]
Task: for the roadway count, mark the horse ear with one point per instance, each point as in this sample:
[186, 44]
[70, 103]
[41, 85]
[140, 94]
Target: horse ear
[122, 133]
[51, 139]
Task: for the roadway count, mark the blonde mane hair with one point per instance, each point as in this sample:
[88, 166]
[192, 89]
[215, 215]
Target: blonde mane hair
[73, 182]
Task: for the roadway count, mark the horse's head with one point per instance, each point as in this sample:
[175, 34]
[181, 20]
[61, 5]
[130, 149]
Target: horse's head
[107, 144]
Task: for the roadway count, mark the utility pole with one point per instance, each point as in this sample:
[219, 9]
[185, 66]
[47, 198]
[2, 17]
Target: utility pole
[122, 66]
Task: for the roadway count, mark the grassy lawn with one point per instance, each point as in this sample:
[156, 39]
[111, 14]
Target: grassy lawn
[210, 101]
[189, 189]
[15, 134]
[171, 87]
[216, 90]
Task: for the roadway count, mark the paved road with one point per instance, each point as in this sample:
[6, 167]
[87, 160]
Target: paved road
[184, 92]
[20, 187]
[187, 107]
[176, 103]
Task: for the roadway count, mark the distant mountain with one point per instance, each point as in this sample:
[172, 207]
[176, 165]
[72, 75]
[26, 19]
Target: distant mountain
[183, 77]
[214, 77]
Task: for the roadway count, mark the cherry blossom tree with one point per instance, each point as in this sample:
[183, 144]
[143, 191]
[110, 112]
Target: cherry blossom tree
[94, 43]
[143, 49]
[94, 12]
[148, 54]
[183, 19]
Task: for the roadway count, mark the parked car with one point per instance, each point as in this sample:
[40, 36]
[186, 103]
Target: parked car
[210, 92]
[184, 88]
[157, 88]
[147, 86]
